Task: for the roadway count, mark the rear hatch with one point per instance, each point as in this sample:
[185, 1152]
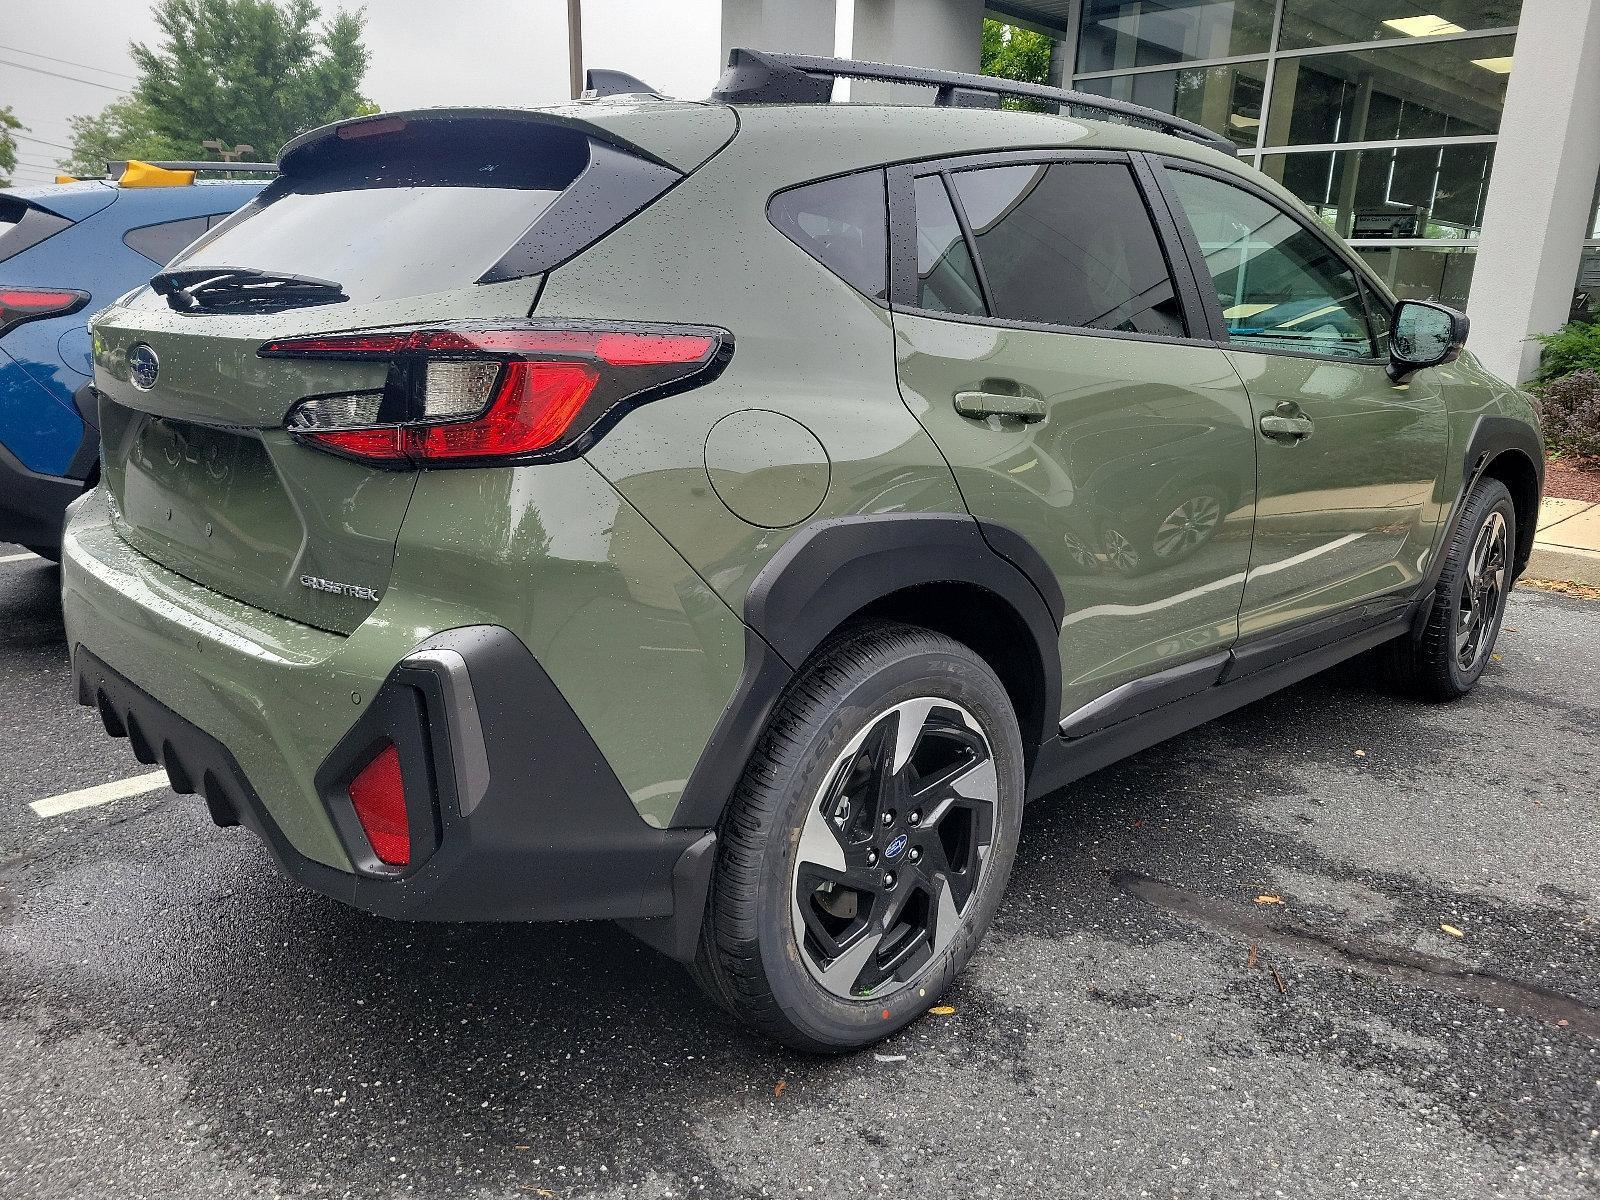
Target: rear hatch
[410, 220]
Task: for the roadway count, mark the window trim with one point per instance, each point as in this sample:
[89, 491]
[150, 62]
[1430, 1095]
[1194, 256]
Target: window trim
[903, 242]
[1191, 249]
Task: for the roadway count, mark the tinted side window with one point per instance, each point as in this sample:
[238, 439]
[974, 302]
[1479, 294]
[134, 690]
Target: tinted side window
[1280, 286]
[946, 278]
[160, 243]
[1070, 244]
[22, 226]
[843, 224]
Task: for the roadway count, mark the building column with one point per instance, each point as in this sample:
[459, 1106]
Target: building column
[1539, 192]
[946, 34]
[779, 26]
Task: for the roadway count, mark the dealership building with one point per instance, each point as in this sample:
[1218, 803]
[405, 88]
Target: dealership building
[1454, 143]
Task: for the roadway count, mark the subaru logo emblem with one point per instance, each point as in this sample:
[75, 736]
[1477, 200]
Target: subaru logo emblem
[895, 847]
[142, 366]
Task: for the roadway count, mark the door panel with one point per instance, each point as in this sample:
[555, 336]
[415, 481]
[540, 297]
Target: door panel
[1131, 435]
[1128, 461]
[1348, 461]
[1346, 513]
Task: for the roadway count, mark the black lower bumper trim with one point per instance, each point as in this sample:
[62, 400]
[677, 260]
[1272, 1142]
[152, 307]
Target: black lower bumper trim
[552, 834]
[33, 507]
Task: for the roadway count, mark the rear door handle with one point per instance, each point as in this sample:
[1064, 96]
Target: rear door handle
[1275, 426]
[998, 404]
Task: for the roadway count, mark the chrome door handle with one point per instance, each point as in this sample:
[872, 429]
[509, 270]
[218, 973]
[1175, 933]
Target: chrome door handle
[998, 404]
[1275, 426]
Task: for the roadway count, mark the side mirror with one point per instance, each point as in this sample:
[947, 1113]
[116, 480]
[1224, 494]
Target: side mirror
[1424, 334]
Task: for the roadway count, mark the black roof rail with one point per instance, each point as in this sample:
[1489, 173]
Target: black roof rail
[756, 77]
[116, 166]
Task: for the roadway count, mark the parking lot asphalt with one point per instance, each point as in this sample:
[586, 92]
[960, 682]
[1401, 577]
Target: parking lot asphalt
[1144, 1020]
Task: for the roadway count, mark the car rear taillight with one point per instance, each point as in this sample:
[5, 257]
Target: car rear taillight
[473, 395]
[20, 305]
[378, 793]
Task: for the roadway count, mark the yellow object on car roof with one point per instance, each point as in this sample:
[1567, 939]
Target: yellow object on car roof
[143, 174]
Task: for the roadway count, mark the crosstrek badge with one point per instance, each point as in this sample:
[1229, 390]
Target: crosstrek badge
[355, 590]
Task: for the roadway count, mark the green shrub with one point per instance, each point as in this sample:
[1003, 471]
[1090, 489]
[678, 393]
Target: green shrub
[1572, 413]
[1573, 347]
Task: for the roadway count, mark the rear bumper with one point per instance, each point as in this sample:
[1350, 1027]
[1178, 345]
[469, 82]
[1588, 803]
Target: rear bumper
[516, 814]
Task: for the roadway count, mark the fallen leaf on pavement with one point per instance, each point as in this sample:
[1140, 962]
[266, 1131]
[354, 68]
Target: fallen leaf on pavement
[1361, 753]
[778, 1088]
[944, 1010]
[1452, 931]
[1283, 988]
[1250, 964]
[1269, 899]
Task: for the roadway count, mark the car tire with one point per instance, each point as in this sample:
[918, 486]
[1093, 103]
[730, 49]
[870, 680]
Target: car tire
[858, 867]
[1457, 642]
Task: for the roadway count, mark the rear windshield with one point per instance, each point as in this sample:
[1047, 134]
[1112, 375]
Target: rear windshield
[428, 208]
[23, 226]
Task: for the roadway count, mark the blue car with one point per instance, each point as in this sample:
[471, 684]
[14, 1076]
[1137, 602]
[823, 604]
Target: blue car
[66, 251]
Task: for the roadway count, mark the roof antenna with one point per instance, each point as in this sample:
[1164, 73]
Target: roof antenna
[602, 81]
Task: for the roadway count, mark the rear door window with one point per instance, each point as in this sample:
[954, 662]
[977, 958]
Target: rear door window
[1069, 243]
[843, 224]
[947, 281]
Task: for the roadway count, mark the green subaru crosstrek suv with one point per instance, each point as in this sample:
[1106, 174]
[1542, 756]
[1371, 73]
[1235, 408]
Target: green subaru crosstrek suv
[721, 517]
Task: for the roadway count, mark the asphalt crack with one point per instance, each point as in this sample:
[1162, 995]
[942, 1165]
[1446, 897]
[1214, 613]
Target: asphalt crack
[1388, 962]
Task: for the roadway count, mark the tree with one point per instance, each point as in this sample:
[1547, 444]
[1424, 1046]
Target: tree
[1011, 52]
[8, 144]
[245, 71]
[122, 129]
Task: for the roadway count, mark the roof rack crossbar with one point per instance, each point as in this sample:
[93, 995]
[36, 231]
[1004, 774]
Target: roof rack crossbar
[756, 77]
[117, 166]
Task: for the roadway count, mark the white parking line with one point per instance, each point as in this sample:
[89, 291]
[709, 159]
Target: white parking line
[105, 793]
[5, 558]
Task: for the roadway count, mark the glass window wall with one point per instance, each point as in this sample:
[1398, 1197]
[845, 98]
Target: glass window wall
[1344, 22]
[1419, 90]
[1116, 34]
[1428, 192]
[1224, 99]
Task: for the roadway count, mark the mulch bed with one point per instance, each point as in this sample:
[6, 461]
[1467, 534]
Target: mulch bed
[1572, 479]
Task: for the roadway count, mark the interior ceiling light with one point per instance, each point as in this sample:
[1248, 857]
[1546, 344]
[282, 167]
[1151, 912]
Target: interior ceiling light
[1426, 25]
[1500, 66]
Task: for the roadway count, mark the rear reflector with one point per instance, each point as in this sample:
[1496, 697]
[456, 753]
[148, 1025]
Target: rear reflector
[478, 395]
[20, 305]
[379, 796]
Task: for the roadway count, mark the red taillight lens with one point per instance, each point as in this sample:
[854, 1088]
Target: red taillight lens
[379, 795]
[19, 305]
[536, 404]
[478, 395]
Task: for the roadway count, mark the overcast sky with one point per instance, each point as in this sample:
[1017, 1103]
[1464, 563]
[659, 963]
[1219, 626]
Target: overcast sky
[422, 52]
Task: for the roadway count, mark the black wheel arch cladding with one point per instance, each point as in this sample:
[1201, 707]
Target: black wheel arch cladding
[838, 569]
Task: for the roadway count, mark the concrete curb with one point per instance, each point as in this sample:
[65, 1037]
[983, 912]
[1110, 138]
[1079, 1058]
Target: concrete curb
[1567, 546]
[1565, 563]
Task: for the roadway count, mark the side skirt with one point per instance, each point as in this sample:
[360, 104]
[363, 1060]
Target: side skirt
[1243, 679]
